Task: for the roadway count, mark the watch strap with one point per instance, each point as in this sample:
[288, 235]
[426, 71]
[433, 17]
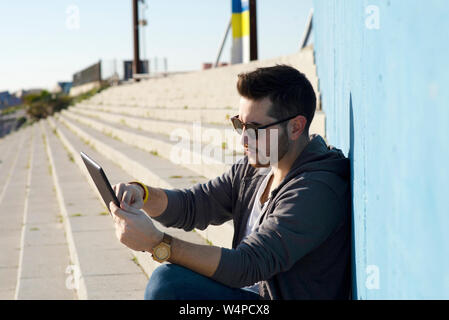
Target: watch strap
[167, 239]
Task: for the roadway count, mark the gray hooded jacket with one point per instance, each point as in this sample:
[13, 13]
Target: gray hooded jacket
[301, 249]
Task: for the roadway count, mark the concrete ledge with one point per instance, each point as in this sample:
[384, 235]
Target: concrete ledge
[81, 290]
[213, 88]
[14, 175]
[218, 235]
[318, 124]
[215, 116]
[208, 167]
[100, 255]
[201, 133]
[8, 161]
[44, 249]
[74, 91]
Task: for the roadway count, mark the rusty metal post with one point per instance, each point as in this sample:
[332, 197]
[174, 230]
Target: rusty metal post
[252, 30]
[136, 61]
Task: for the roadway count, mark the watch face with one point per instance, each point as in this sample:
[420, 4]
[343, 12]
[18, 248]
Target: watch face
[161, 252]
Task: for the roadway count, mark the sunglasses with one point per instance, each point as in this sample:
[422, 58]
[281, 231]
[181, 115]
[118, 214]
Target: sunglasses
[252, 129]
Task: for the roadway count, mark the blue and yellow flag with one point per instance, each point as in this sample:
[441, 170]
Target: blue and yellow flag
[240, 31]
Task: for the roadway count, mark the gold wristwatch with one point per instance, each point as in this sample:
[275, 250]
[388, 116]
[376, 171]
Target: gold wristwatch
[162, 251]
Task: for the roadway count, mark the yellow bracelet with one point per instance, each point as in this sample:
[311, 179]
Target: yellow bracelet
[145, 189]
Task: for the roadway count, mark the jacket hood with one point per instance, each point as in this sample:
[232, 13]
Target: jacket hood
[318, 156]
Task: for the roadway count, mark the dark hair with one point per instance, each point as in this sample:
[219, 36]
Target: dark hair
[288, 89]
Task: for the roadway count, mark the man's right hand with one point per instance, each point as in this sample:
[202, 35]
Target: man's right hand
[131, 194]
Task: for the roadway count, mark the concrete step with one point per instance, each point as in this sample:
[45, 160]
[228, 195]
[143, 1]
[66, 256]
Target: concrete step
[183, 96]
[209, 160]
[150, 169]
[203, 159]
[213, 116]
[8, 152]
[138, 163]
[12, 207]
[188, 90]
[44, 251]
[115, 175]
[218, 118]
[208, 89]
[225, 136]
[7, 141]
[101, 267]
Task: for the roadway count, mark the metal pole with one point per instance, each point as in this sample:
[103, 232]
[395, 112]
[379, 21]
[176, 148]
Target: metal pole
[252, 30]
[99, 71]
[307, 30]
[217, 60]
[136, 62]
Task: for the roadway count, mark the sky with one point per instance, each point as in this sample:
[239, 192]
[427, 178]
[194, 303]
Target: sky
[45, 41]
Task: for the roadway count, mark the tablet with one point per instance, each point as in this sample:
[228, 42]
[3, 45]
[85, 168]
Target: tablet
[100, 180]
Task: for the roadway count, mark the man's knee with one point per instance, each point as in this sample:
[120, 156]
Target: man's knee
[162, 283]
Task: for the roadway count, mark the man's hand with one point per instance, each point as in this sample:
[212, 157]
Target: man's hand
[131, 194]
[134, 228]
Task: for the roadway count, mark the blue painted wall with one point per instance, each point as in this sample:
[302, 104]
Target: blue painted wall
[384, 79]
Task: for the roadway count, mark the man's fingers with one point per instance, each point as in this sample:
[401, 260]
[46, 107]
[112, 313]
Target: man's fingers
[113, 208]
[124, 210]
[126, 193]
[127, 196]
[116, 211]
[121, 189]
[129, 209]
[137, 204]
[117, 190]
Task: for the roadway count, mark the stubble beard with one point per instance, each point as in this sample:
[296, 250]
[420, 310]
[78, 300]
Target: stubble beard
[283, 147]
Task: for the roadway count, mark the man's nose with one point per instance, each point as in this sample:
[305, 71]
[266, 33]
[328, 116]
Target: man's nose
[248, 140]
[244, 138]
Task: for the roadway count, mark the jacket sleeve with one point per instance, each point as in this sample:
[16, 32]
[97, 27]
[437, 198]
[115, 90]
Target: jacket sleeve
[201, 204]
[302, 219]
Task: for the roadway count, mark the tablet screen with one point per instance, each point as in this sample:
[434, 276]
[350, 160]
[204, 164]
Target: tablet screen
[100, 180]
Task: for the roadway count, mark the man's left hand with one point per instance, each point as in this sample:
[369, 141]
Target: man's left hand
[134, 228]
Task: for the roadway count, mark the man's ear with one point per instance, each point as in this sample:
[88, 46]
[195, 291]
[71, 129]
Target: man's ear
[298, 125]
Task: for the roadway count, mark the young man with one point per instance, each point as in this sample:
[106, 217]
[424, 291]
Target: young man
[290, 206]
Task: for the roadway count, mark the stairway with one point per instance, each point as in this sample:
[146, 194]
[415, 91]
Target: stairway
[57, 239]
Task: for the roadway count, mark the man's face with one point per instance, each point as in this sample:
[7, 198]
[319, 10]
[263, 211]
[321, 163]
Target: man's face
[272, 143]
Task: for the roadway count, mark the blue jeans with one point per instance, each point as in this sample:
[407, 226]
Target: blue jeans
[173, 282]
